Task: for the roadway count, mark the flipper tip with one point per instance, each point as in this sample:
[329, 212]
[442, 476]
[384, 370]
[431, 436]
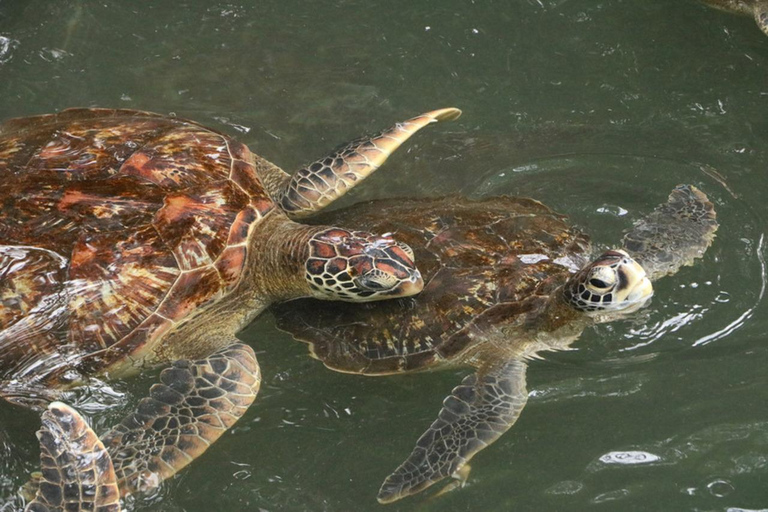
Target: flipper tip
[445, 114]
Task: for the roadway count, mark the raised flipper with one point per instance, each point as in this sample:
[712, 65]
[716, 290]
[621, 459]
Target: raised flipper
[191, 407]
[315, 186]
[481, 409]
[674, 234]
[76, 471]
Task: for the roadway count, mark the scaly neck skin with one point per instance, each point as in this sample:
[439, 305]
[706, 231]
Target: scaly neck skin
[557, 312]
[277, 255]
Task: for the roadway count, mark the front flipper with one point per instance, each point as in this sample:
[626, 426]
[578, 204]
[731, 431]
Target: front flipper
[314, 187]
[192, 406]
[674, 234]
[76, 473]
[478, 412]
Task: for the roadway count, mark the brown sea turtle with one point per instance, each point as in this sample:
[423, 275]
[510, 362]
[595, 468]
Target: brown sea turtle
[506, 278]
[758, 9]
[129, 240]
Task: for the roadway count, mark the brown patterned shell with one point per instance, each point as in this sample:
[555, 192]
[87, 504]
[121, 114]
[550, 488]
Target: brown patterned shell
[114, 226]
[482, 260]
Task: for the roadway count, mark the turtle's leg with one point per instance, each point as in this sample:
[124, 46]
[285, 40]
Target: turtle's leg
[674, 234]
[761, 15]
[192, 406]
[76, 471]
[315, 186]
[483, 407]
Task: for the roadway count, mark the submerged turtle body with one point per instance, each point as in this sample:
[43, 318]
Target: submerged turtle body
[758, 9]
[481, 260]
[506, 278]
[130, 239]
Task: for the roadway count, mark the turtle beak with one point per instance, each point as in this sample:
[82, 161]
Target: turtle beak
[410, 287]
[641, 292]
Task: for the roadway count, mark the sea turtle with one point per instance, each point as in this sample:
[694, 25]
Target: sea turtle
[506, 279]
[130, 239]
[755, 8]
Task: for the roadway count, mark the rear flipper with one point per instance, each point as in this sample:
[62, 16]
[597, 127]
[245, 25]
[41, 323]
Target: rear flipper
[478, 412]
[192, 406]
[76, 471]
[674, 234]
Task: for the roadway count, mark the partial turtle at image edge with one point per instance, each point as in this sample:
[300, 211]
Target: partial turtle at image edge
[758, 9]
[131, 240]
[506, 278]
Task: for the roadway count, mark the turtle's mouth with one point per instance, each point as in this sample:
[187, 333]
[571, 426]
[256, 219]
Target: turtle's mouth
[641, 292]
[409, 287]
[637, 297]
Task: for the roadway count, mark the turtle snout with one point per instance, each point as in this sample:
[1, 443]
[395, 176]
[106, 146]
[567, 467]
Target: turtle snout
[641, 292]
[411, 286]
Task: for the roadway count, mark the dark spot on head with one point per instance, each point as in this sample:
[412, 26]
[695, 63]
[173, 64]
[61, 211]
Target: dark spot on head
[623, 280]
[315, 266]
[337, 265]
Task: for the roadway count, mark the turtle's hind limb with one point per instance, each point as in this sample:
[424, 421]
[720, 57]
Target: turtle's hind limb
[192, 406]
[194, 403]
[484, 406]
[76, 472]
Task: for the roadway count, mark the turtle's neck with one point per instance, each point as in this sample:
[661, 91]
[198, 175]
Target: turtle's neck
[556, 313]
[277, 254]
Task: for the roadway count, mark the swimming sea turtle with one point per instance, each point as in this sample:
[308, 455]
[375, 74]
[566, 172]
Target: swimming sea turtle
[130, 239]
[755, 8]
[506, 278]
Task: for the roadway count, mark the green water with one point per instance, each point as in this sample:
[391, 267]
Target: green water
[597, 107]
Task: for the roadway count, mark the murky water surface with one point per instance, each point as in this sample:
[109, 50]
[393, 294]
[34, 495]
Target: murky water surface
[598, 108]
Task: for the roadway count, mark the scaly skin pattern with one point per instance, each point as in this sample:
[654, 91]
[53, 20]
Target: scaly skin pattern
[76, 471]
[315, 186]
[191, 407]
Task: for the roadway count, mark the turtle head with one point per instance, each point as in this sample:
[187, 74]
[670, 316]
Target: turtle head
[355, 266]
[614, 282]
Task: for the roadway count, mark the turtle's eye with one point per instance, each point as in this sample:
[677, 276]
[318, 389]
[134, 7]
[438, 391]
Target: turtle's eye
[376, 280]
[602, 279]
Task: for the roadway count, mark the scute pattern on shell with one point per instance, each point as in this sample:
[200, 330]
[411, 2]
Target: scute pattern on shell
[481, 261]
[142, 218]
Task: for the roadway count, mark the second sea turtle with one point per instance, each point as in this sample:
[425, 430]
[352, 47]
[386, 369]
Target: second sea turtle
[506, 278]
